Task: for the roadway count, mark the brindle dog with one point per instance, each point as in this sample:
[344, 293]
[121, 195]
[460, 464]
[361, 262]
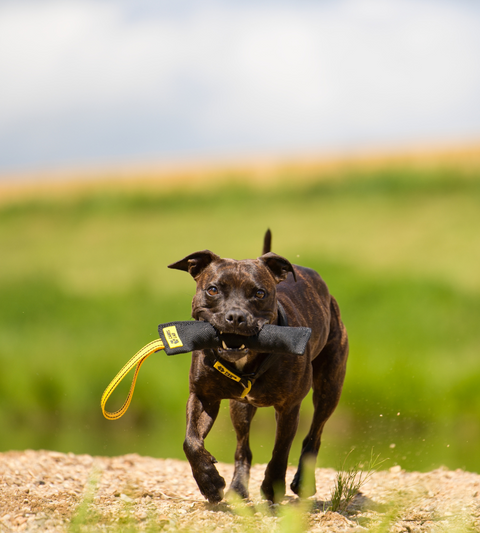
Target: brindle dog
[239, 297]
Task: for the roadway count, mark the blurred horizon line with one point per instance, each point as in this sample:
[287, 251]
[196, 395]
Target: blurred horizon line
[253, 167]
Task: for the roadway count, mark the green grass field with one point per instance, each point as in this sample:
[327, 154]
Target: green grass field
[84, 283]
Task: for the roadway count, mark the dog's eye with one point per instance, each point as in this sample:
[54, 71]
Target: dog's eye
[260, 294]
[212, 291]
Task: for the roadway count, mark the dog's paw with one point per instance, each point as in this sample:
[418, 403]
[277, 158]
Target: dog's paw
[237, 490]
[303, 483]
[210, 483]
[215, 495]
[295, 484]
[273, 491]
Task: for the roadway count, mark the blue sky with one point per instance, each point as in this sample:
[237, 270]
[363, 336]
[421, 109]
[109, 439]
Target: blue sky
[88, 82]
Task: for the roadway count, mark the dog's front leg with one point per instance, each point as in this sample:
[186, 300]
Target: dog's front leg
[273, 486]
[241, 415]
[201, 415]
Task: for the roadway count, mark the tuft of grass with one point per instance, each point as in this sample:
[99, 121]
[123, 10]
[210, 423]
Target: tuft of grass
[85, 515]
[349, 481]
[294, 518]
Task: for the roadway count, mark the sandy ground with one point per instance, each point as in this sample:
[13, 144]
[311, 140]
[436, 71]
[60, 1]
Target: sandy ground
[50, 491]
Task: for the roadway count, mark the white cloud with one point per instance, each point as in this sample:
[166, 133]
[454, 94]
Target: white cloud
[60, 56]
[85, 78]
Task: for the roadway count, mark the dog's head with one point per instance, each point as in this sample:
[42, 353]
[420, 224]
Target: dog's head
[237, 297]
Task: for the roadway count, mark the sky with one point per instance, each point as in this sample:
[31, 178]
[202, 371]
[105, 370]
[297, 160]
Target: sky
[84, 82]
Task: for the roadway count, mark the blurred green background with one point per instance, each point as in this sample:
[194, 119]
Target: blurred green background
[84, 284]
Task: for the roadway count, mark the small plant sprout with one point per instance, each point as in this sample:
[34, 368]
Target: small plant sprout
[349, 481]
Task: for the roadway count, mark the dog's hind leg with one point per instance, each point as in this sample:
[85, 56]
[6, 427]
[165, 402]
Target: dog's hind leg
[241, 415]
[201, 414]
[328, 374]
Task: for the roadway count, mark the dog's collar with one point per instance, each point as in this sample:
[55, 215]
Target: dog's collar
[246, 379]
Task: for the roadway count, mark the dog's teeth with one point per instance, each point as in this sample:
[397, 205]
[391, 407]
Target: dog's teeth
[242, 347]
[225, 347]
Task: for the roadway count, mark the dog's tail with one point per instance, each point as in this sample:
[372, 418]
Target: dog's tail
[267, 242]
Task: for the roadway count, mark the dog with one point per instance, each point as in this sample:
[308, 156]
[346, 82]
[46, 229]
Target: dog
[238, 298]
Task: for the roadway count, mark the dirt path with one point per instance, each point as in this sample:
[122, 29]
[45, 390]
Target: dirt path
[42, 491]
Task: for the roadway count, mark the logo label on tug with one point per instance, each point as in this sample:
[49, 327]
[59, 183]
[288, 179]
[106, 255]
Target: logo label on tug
[172, 338]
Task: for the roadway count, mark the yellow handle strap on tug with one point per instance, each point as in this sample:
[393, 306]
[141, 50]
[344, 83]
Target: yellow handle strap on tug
[188, 336]
[137, 359]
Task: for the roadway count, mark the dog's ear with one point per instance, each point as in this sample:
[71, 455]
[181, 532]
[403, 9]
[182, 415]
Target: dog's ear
[278, 266]
[195, 263]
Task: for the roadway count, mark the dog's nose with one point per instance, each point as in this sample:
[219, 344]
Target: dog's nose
[235, 318]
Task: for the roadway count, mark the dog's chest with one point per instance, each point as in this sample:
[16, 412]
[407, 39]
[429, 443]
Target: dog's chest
[277, 388]
[257, 399]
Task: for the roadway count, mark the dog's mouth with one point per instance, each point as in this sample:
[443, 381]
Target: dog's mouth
[232, 343]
